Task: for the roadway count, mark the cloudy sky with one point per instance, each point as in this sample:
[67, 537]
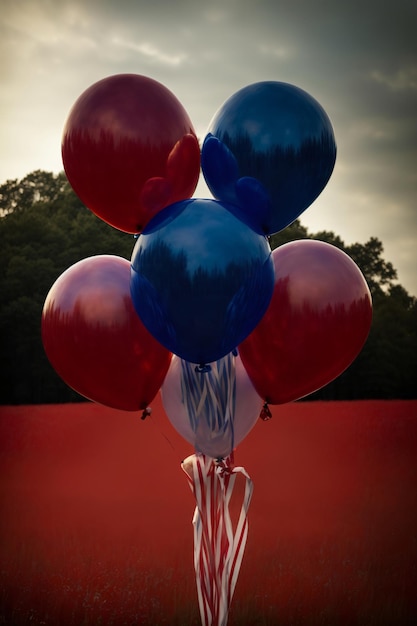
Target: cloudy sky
[357, 58]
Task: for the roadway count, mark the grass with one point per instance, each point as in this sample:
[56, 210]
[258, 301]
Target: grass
[316, 588]
[96, 518]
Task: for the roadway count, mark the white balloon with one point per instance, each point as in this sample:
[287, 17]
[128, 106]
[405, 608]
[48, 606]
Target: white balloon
[213, 410]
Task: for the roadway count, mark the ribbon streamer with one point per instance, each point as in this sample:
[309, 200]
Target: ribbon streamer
[210, 398]
[218, 547]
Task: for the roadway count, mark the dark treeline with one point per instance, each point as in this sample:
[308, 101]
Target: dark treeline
[44, 229]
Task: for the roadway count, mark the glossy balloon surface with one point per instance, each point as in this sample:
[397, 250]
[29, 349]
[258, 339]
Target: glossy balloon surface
[270, 149]
[214, 410]
[94, 339]
[201, 279]
[129, 149]
[315, 326]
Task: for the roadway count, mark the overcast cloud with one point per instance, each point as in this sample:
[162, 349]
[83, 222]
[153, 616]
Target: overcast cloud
[358, 59]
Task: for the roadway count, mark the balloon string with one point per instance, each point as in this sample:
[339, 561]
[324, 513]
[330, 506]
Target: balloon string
[159, 429]
[218, 547]
[210, 396]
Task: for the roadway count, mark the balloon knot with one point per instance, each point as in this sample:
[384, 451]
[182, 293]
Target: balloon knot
[203, 368]
[146, 412]
[225, 465]
[265, 414]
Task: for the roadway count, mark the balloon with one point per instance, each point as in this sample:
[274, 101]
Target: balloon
[129, 149]
[315, 326]
[201, 279]
[94, 339]
[270, 149]
[213, 410]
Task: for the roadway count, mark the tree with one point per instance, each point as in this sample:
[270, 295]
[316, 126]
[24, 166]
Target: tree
[389, 358]
[387, 365]
[379, 273]
[293, 232]
[44, 229]
[37, 187]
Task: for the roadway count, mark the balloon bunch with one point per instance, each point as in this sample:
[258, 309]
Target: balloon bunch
[203, 283]
[204, 311]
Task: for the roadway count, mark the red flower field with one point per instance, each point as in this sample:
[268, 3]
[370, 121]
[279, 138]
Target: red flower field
[96, 517]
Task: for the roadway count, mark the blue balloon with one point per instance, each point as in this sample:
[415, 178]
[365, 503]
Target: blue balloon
[201, 279]
[270, 149]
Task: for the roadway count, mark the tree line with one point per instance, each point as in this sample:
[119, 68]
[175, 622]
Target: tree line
[44, 229]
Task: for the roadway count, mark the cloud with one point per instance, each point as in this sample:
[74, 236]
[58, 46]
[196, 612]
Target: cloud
[403, 80]
[359, 59]
[152, 52]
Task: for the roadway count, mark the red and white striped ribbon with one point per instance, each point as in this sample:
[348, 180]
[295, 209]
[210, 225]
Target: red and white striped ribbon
[218, 547]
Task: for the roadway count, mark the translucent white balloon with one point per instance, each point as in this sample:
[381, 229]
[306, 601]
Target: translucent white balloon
[213, 408]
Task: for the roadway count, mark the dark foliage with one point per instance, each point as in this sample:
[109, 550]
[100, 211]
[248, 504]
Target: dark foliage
[387, 366]
[44, 229]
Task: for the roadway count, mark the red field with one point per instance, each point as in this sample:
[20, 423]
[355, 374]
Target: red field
[96, 518]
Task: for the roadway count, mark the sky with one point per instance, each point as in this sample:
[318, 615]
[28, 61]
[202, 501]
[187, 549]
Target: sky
[357, 58]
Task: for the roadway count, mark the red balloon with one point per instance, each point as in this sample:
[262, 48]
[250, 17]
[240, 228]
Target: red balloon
[316, 324]
[129, 150]
[94, 339]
